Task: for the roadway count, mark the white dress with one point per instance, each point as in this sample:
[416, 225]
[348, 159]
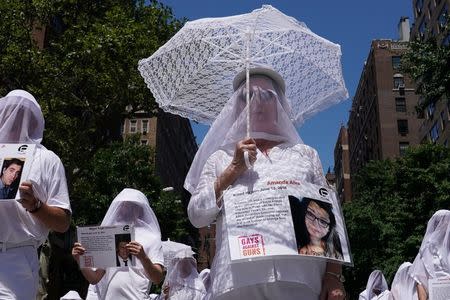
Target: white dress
[274, 279]
[19, 267]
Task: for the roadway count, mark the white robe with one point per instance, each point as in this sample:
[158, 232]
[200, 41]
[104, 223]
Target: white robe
[19, 267]
[277, 278]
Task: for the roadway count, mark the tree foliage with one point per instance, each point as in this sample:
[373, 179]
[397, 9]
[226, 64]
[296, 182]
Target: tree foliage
[84, 77]
[428, 64]
[125, 165]
[87, 73]
[392, 203]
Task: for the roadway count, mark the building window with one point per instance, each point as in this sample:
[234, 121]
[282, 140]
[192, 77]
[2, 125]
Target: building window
[443, 17]
[422, 29]
[400, 104]
[144, 142]
[144, 126]
[419, 6]
[443, 121]
[402, 146]
[396, 62]
[434, 132]
[402, 126]
[430, 110]
[398, 81]
[133, 126]
[446, 40]
[448, 109]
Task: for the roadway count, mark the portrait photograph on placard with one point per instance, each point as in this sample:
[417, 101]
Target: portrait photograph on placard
[106, 246]
[123, 256]
[15, 164]
[315, 228]
[10, 175]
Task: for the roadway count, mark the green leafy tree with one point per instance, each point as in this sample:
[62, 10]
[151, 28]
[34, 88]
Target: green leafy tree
[428, 64]
[125, 165]
[86, 74]
[388, 215]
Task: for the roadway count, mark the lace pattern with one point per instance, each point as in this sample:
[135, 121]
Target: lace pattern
[191, 75]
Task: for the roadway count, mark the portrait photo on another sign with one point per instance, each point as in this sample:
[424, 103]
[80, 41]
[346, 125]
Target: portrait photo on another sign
[10, 175]
[123, 256]
[315, 228]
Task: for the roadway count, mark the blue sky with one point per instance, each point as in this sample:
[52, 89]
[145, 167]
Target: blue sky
[351, 23]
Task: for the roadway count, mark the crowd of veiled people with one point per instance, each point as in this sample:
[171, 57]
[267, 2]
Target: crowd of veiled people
[412, 280]
[227, 157]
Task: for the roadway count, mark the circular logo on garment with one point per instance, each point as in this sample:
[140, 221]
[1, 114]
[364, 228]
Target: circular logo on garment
[22, 149]
[323, 192]
[126, 228]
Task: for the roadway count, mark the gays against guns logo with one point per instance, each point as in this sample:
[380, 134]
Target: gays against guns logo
[252, 245]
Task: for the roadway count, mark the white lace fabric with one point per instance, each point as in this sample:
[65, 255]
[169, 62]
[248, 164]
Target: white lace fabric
[191, 75]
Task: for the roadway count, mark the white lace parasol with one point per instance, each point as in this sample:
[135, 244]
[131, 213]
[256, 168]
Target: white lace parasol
[192, 74]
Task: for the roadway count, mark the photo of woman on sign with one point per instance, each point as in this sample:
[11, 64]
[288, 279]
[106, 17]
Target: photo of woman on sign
[315, 228]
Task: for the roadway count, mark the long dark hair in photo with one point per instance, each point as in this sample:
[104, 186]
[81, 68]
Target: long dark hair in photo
[333, 248]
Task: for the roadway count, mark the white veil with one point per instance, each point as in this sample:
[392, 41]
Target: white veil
[21, 119]
[433, 258]
[132, 207]
[231, 124]
[183, 279]
[403, 286]
[376, 281]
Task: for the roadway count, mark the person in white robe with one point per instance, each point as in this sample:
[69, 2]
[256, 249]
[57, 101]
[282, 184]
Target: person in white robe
[433, 259]
[226, 158]
[130, 207]
[44, 203]
[403, 286]
[376, 288]
[182, 279]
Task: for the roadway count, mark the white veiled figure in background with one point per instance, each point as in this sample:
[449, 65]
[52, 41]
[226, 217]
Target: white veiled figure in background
[271, 129]
[206, 278]
[433, 259]
[131, 207]
[71, 295]
[403, 286]
[183, 279]
[23, 230]
[376, 288]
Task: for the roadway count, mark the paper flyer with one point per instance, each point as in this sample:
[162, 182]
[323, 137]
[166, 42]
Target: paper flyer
[105, 246]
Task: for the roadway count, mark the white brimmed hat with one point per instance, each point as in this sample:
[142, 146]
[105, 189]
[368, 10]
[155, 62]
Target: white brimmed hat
[265, 71]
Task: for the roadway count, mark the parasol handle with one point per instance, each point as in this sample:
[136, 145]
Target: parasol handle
[247, 89]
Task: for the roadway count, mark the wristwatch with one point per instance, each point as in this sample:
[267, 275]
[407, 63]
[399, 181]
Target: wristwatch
[340, 277]
[37, 206]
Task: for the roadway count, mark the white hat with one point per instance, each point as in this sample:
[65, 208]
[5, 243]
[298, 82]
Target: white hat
[265, 71]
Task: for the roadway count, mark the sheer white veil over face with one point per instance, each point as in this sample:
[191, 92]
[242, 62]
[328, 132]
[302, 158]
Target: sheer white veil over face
[403, 286]
[269, 120]
[183, 278]
[21, 119]
[433, 259]
[376, 281]
[132, 207]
